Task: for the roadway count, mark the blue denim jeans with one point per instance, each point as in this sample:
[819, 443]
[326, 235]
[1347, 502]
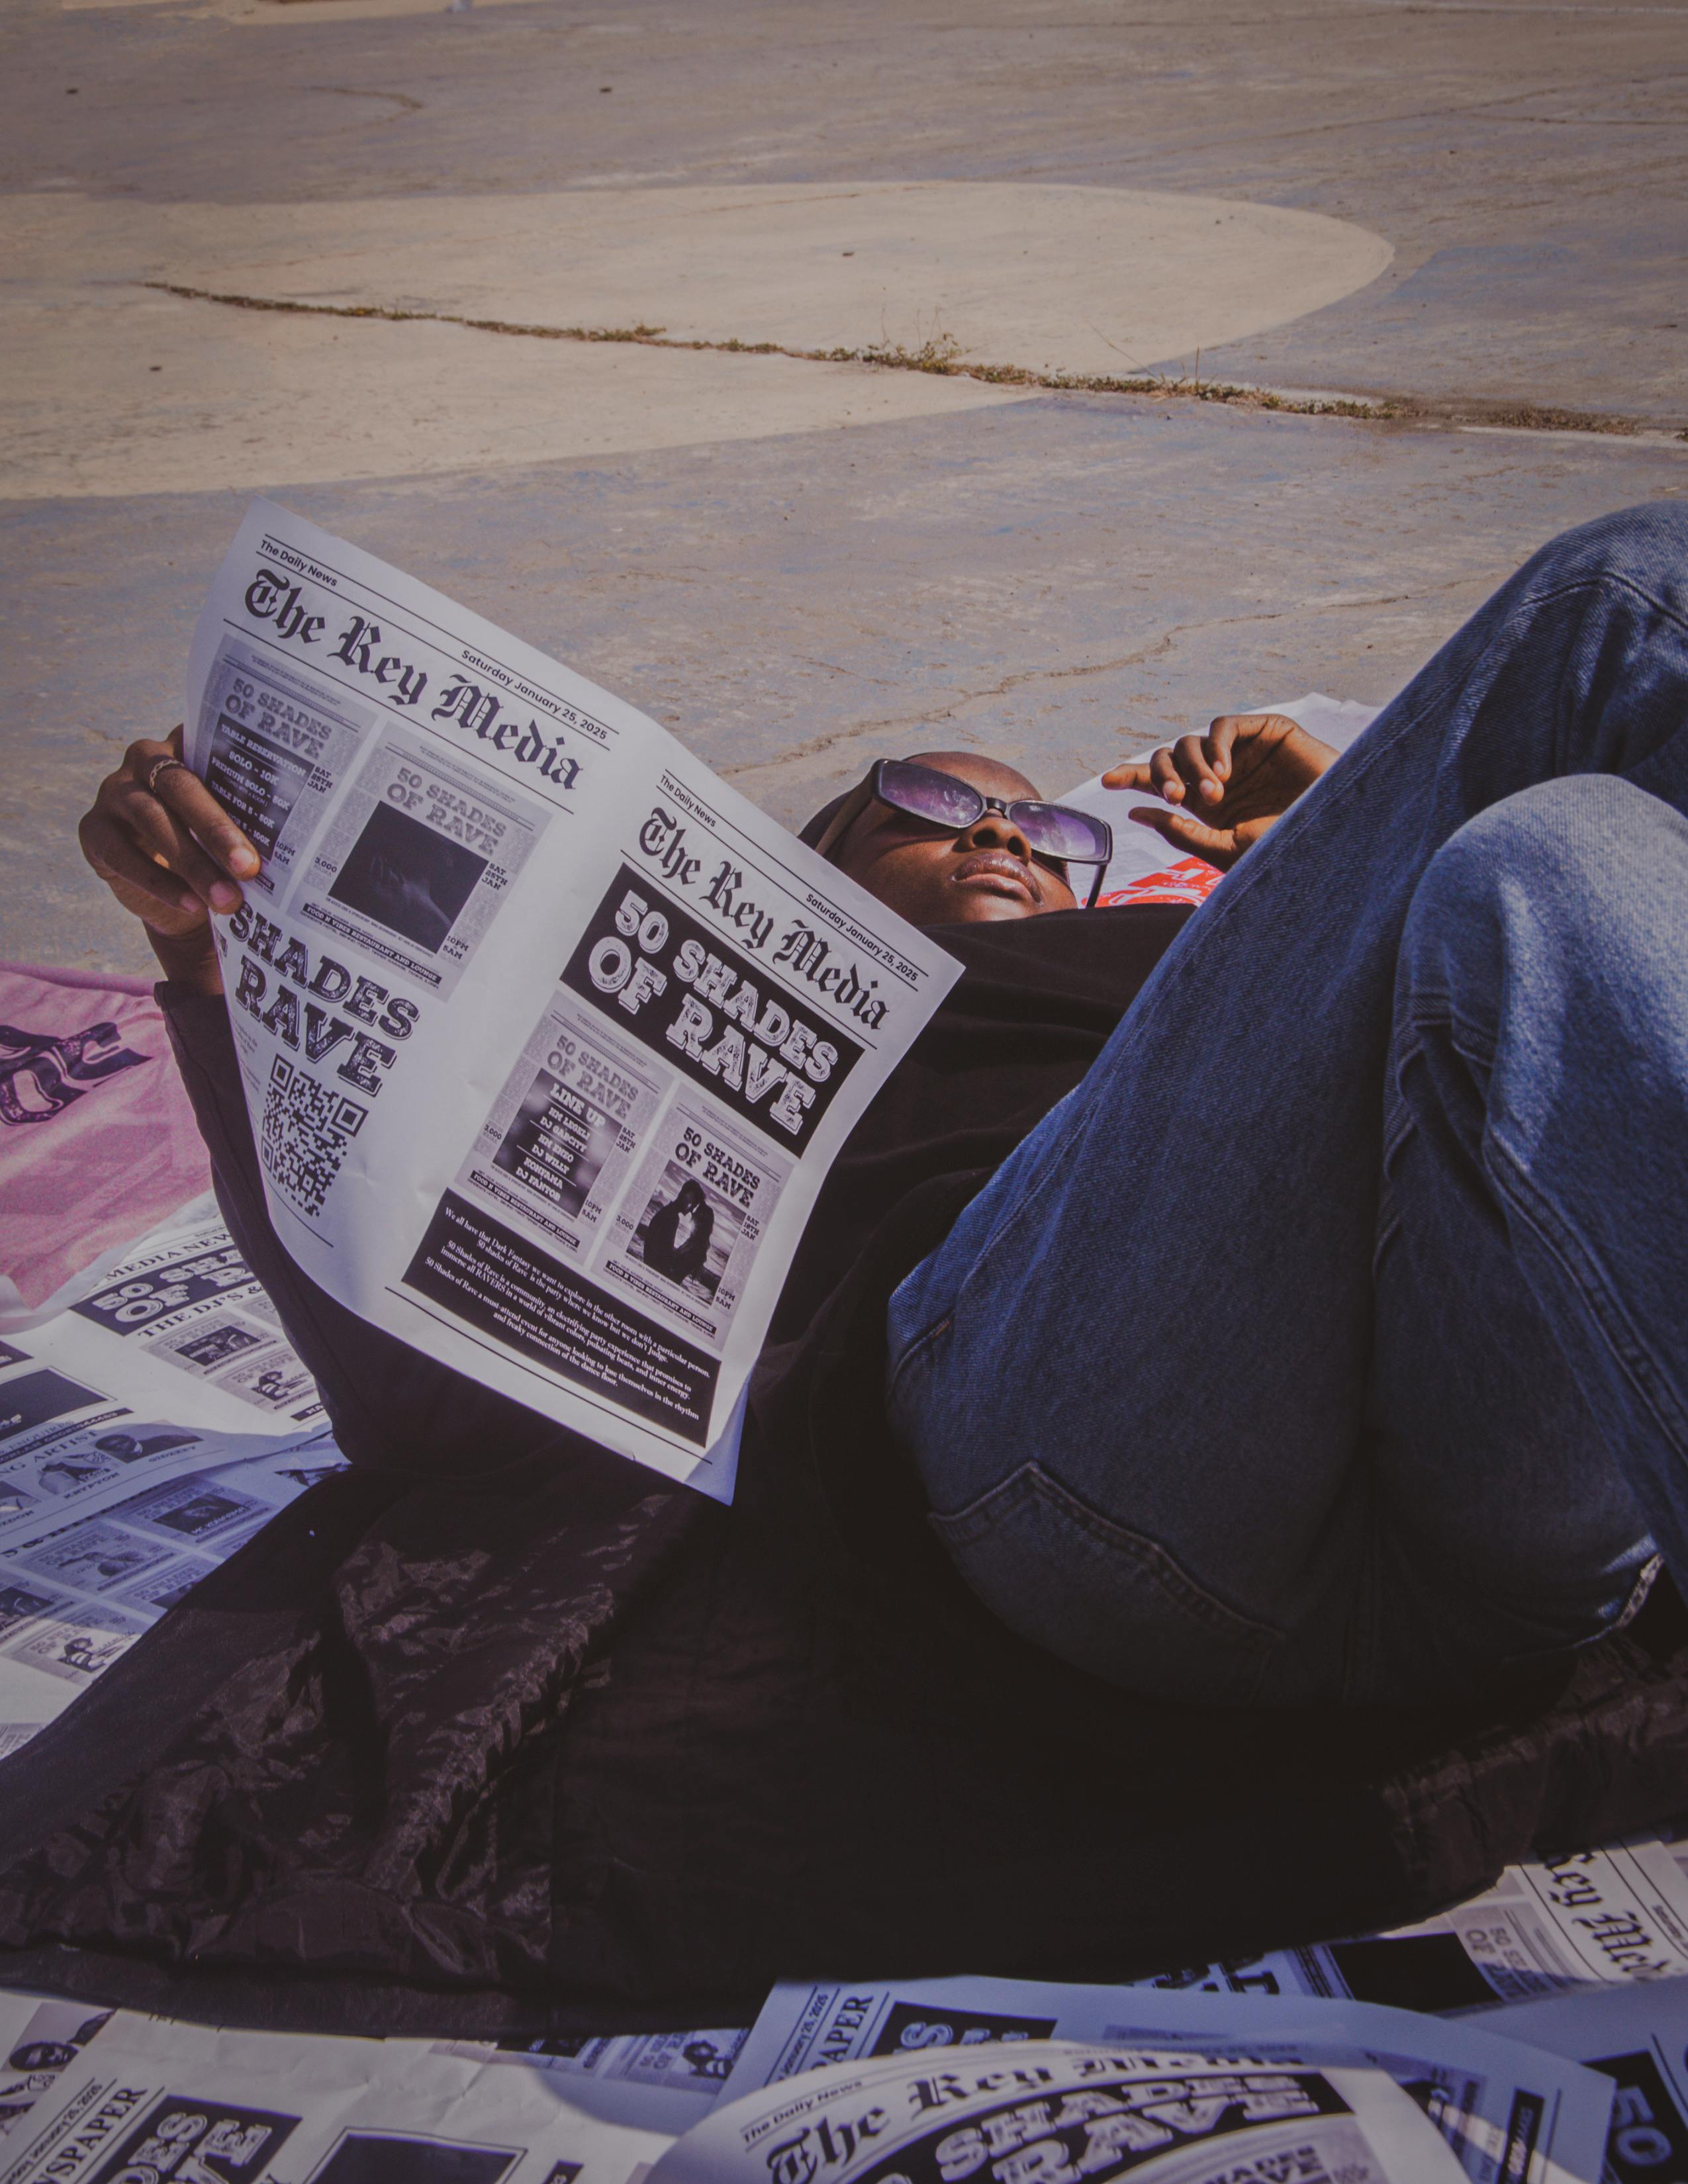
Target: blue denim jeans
[1330, 1341]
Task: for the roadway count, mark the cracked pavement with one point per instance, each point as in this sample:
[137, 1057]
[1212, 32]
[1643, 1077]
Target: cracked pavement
[797, 565]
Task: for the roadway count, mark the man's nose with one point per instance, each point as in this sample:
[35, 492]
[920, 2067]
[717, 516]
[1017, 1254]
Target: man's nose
[994, 830]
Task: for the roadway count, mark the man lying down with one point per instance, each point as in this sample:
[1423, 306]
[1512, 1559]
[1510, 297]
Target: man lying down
[1323, 1339]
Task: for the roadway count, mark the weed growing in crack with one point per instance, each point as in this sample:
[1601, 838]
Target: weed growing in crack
[942, 355]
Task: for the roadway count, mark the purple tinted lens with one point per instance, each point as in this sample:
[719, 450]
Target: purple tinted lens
[925, 794]
[1055, 830]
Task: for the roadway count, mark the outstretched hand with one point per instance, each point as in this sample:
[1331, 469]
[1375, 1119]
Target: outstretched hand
[1223, 790]
[170, 854]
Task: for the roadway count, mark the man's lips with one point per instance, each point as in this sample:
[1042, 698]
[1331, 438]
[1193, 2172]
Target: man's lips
[995, 872]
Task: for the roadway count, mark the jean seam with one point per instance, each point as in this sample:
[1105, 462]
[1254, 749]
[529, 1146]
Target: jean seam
[1433, 1014]
[1612, 580]
[916, 1347]
[1581, 1265]
[1030, 1481]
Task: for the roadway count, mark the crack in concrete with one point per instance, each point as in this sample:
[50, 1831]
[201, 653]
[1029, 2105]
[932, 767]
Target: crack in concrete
[402, 100]
[934, 358]
[816, 746]
[942, 361]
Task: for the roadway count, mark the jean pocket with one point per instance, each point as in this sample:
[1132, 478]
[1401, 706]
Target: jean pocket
[1102, 1596]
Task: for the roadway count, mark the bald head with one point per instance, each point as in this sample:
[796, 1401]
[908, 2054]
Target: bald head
[984, 873]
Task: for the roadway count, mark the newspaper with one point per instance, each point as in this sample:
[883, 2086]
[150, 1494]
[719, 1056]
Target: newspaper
[1592, 1918]
[548, 1036]
[1638, 2038]
[1055, 2112]
[76, 1591]
[147, 1429]
[180, 1301]
[40, 2038]
[656, 2082]
[154, 2102]
[662, 2081]
[1507, 2112]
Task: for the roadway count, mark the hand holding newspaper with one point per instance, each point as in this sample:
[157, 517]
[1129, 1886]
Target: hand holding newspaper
[549, 1037]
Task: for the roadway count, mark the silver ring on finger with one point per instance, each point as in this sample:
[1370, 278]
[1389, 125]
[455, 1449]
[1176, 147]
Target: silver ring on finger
[159, 768]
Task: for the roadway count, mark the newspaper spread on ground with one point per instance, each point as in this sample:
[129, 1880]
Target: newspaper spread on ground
[152, 2101]
[147, 1429]
[664, 2080]
[77, 1590]
[1592, 1917]
[40, 2038]
[1055, 2112]
[182, 1300]
[1638, 2038]
[1507, 2112]
[547, 1035]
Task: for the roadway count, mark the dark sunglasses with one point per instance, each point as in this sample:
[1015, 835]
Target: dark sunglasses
[1054, 833]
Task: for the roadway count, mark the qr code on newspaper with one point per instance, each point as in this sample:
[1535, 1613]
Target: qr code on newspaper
[307, 1127]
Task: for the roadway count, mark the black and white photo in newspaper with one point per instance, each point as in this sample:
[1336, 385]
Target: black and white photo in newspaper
[549, 1037]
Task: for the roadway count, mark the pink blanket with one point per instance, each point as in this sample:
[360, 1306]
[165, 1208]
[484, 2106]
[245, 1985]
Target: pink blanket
[97, 1141]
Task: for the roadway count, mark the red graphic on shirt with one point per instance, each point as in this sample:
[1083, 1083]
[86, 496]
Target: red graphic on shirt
[1191, 880]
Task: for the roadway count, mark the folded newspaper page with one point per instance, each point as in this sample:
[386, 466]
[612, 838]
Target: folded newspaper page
[1592, 1918]
[153, 2102]
[1055, 2112]
[1506, 2111]
[548, 1036]
[1638, 2038]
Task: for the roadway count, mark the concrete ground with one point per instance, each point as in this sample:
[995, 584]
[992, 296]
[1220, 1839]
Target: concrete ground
[1471, 212]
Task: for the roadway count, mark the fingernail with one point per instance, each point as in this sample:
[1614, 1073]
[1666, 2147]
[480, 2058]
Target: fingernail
[187, 902]
[1209, 789]
[224, 897]
[243, 860]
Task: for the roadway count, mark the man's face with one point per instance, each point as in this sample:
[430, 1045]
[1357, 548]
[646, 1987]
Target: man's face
[985, 874]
